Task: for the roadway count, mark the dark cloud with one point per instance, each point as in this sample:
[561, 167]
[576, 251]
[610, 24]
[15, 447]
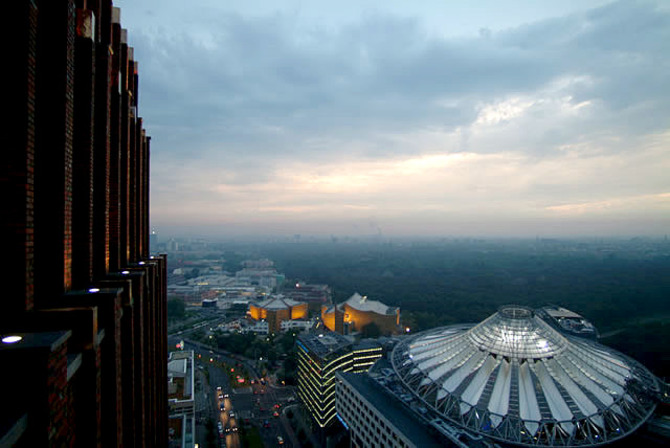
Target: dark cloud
[384, 74]
[234, 102]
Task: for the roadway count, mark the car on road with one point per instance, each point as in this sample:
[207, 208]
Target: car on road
[266, 424]
[222, 407]
[280, 440]
[231, 414]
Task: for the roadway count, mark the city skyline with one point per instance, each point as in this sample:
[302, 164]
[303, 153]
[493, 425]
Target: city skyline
[512, 119]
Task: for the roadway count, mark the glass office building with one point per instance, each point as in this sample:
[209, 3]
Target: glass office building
[319, 357]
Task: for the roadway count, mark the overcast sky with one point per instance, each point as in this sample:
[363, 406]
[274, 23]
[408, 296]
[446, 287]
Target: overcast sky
[517, 118]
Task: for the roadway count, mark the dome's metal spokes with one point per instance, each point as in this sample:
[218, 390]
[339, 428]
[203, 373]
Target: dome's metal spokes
[516, 379]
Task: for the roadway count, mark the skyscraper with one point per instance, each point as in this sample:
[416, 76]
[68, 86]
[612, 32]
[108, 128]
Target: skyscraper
[83, 317]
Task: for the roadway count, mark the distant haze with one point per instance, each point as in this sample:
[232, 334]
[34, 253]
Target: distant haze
[504, 118]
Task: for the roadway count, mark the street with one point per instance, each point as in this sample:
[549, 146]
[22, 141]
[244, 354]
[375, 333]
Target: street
[256, 405]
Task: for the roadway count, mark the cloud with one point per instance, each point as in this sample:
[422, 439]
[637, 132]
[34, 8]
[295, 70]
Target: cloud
[269, 115]
[642, 202]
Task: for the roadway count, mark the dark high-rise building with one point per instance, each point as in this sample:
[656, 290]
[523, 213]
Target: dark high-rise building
[83, 314]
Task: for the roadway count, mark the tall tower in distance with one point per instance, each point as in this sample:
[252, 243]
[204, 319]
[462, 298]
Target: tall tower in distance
[83, 312]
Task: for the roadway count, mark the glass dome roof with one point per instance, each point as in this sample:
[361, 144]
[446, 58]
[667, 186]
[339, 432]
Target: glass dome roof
[516, 379]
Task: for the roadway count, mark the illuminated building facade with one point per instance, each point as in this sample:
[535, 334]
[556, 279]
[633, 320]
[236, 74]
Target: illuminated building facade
[276, 310]
[358, 312]
[320, 356]
[83, 323]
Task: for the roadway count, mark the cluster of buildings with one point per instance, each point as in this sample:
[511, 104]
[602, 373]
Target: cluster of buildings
[259, 273]
[208, 285]
[83, 329]
[511, 380]
[280, 313]
[253, 291]
[83, 340]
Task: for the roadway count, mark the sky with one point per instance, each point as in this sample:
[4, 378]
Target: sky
[432, 118]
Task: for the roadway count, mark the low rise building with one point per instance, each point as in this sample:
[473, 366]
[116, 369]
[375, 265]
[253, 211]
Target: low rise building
[181, 399]
[297, 325]
[276, 310]
[357, 312]
[568, 322]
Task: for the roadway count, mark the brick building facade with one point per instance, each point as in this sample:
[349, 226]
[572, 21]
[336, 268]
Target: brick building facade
[79, 286]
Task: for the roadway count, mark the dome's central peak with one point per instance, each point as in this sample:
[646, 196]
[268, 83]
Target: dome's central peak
[516, 312]
[515, 332]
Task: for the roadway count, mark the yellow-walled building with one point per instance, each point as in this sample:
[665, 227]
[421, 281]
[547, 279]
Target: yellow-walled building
[277, 309]
[357, 312]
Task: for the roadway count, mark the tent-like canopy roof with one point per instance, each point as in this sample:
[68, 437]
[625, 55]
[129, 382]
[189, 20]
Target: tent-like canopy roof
[516, 379]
